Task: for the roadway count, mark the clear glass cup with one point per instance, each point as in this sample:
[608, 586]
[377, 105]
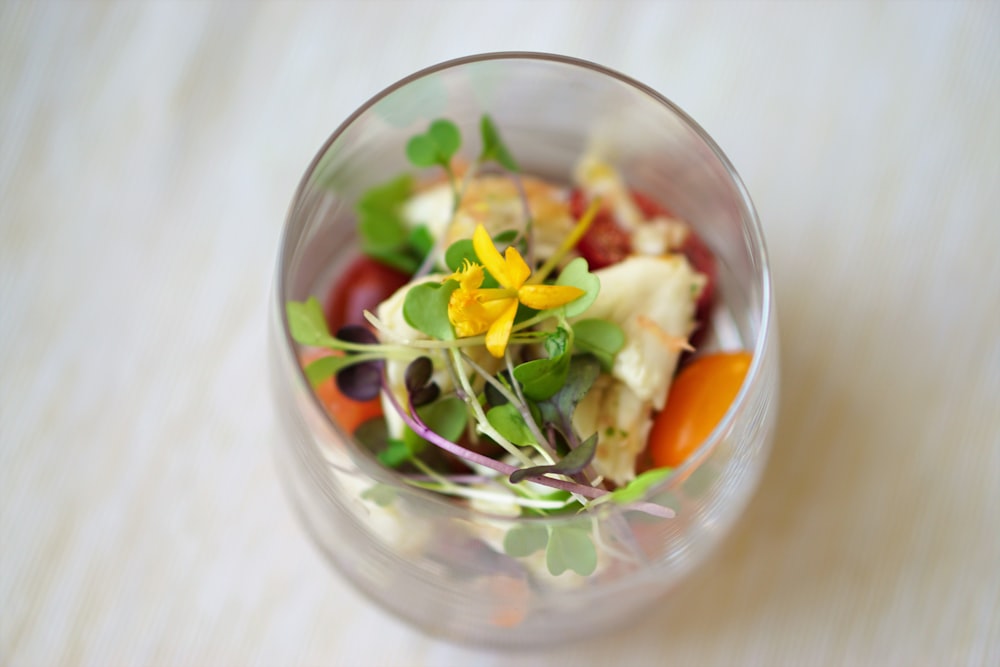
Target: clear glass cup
[434, 563]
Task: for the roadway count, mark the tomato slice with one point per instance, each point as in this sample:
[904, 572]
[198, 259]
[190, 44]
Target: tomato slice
[363, 285]
[699, 398]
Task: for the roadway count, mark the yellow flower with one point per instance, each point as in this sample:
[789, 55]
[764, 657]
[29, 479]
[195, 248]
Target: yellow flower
[473, 310]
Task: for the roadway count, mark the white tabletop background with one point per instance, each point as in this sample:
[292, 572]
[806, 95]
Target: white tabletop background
[148, 153]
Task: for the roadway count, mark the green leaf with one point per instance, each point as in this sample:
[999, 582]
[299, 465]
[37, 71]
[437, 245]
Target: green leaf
[421, 151]
[395, 454]
[385, 235]
[571, 464]
[435, 147]
[570, 548]
[446, 136]
[542, 378]
[601, 338]
[558, 409]
[425, 308]
[458, 252]
[577, 274]
[325, 368]
[493, 146]
[637, 488]
[510, 424]
[380, 494]
[387, 197]
[447, 417]
[420, 240]
[525, 539]
[402, 260]
[307, 323]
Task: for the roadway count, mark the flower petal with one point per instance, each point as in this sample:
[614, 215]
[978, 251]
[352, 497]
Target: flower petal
[490, 256]
[499, 333]
[517, 269]
[543, 297]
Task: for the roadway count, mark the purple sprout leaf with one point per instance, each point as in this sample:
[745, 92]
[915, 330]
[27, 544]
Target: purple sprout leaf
[355, 333]
[571, 464]
[361, 381]
[418, 382]
[425, 395]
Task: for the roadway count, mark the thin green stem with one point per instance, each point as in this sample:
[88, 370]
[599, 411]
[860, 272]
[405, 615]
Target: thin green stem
[484, 425]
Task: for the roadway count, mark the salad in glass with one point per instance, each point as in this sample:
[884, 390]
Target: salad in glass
[523, 348]
[513, 343]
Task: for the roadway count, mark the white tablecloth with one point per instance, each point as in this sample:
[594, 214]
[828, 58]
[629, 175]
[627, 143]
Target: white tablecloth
[148, 152]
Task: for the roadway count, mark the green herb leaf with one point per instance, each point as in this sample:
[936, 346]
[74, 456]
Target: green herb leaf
[325, 368]
[493, 146]
[542, 378]
[421, 240]
[571, 464]
[435, 147]
[425, 308]
[447, 417]
[637, 488]
[510, 424]
[385, 235]
[570, 548]
[558, 409]
[307, 323]
[577, 274]
[396, 453]
[601, 338]
[380, 494]
[458, 252]
[525, 539]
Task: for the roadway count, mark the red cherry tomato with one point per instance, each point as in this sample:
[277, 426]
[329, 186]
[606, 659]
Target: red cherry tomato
[605, 242]
[344, 410]
[363, 285]
[699, 397]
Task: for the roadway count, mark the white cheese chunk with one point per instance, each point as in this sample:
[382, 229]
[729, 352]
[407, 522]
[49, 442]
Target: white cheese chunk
[653, 300]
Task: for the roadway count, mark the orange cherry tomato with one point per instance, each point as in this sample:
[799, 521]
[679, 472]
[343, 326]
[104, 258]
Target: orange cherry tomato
[699, 397]
[344, 410]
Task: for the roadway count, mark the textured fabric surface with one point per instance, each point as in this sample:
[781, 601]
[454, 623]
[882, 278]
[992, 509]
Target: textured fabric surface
[148, 153]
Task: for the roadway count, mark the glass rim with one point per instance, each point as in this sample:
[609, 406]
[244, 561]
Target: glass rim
[751, 225]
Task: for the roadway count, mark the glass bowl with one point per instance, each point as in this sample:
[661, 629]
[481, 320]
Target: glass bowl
[435, 563]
